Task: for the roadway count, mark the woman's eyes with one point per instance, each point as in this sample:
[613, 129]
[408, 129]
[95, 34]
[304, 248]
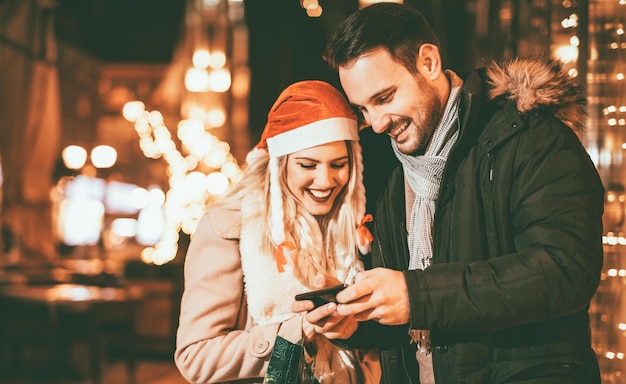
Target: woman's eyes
[338, 165]
[332, 165]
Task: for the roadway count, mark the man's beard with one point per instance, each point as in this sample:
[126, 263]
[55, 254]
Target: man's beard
[425, 127]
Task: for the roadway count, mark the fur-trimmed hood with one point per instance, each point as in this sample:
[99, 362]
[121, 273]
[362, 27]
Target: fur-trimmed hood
[539, 83]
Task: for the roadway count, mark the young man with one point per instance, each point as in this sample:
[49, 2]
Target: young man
[488, 238]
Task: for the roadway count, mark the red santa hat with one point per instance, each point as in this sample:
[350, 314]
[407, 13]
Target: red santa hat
[307, 114]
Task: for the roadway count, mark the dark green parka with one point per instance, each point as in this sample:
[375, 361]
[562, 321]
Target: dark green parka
[517, 241]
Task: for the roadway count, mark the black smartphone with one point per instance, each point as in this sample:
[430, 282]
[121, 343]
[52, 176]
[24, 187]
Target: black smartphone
[322, 296]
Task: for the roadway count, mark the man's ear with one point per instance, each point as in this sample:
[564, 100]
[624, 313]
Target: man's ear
[429, 61]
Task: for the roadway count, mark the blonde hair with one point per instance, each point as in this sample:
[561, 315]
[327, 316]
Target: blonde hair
[320, 241]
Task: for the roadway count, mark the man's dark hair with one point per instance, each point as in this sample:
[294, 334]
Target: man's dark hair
[399, 29]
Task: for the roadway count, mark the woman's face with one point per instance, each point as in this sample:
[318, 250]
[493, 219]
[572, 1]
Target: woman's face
[317, 175]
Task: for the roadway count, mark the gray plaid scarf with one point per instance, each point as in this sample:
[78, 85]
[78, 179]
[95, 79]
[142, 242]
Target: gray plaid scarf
[423, 174]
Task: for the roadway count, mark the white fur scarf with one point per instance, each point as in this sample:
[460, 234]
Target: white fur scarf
[270, 293]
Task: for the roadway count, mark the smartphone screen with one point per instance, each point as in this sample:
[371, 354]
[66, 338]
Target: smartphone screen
[322, 296]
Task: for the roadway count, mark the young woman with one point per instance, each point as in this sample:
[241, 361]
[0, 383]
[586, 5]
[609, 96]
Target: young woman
[299, 211]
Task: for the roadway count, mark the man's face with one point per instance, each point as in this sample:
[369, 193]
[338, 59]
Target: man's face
[393, 100]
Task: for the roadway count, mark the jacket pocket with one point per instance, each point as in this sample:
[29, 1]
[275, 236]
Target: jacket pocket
[548, 372]
[556, 363]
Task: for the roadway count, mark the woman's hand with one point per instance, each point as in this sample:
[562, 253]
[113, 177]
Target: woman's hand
[324, 320]
[332, 325]
[308, 330]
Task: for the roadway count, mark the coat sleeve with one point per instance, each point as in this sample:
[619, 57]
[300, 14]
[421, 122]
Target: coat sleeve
[216, 339]
[548, 204]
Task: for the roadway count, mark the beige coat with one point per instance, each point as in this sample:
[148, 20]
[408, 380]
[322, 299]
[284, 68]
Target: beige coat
[217, 339]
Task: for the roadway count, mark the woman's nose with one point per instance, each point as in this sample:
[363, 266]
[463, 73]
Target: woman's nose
[324, 177]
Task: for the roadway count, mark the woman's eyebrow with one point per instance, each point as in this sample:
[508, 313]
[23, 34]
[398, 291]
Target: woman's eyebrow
[319, 161]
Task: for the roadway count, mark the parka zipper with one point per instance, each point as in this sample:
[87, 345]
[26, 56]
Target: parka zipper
[383, 258]
[406, 372]
[380, 248]
[492, 203]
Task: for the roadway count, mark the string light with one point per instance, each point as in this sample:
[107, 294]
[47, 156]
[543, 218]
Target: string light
[606, 146]
[202, 168]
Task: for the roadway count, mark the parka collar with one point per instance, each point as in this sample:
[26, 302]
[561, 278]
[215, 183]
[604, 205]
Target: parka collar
[538, 84]
[519, 86]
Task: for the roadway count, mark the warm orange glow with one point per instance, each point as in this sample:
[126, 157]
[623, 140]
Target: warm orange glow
[215, 118]
[103, 156]
[201, 58]
[133, 110]
[219, 80]
[314, 12]
[197, 80]
[217, 60]
[74, 156]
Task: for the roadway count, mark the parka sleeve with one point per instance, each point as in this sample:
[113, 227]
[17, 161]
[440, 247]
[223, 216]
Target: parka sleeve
[547, 208]
[216, 340]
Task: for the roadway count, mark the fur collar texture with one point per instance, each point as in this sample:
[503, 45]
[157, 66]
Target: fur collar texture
[539, 83]
[269, 292]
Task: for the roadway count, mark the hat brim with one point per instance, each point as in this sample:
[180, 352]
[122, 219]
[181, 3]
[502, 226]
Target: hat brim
[313, 134]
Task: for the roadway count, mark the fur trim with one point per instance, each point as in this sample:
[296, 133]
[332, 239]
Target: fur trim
[255, 154]
[269, 292]
[539, 83]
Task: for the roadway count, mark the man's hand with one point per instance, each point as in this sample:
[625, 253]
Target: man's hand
[379, 294]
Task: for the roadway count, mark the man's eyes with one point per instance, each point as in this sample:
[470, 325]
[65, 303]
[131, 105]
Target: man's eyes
[384, 99]
[358, 111]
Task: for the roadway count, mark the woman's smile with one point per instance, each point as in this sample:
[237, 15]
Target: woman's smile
[317, 175]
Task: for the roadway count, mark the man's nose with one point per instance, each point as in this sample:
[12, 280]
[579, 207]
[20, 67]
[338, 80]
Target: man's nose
[375, 119]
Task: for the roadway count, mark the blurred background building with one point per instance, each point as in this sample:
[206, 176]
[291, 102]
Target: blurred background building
[119, 119]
